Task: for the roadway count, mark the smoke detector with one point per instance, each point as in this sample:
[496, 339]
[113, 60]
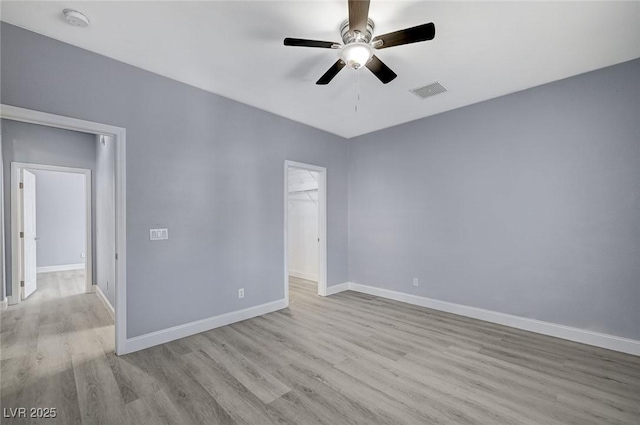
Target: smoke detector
[75, 18]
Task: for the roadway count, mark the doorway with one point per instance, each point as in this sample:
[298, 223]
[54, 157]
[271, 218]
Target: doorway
[63, 215]
[117, 136]
[305, 226]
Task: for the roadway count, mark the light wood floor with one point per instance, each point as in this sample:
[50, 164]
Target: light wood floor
[346, 359]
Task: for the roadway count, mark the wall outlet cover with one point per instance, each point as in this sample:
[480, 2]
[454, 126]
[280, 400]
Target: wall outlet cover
[415, 281]
[241, 293]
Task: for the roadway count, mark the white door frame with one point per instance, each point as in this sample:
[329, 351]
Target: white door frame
[322, 225]
[16, 223]
[119, 135]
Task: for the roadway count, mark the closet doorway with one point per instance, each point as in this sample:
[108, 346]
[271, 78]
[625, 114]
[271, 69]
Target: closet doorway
[305, 226]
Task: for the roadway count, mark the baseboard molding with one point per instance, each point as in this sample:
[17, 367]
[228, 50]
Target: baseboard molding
[105, 301]
[303, 275]
[337, 288]
[62, 268]
[181, 331]
[611, 342]
[4, 303]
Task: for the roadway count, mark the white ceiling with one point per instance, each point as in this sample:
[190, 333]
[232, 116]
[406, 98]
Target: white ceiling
[482, 50]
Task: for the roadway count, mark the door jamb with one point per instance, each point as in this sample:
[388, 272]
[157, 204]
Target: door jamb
[16, 223]
[322, 225]
[119, 135]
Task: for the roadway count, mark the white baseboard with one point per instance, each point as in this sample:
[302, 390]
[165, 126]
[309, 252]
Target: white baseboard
[62, 268]
[181, 331]
[303, 275]
[4, 303]
[611, 342]
[337, 288]
[105, 301]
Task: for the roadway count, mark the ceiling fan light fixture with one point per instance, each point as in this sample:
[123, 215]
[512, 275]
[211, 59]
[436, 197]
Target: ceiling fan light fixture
[356, 55]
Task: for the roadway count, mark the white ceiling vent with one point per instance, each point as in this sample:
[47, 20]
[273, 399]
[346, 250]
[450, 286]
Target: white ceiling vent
[429, 90]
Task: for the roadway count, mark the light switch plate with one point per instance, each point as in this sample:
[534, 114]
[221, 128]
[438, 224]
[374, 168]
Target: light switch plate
[158, 234]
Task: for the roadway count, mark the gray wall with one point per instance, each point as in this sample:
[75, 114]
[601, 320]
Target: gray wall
[528, 204]
[105, 217]
[61, 220]
[2, 246]
[22, 142]
[525, 204]
[208, 168]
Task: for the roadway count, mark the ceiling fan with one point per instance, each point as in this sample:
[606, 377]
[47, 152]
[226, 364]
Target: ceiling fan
[358, 48]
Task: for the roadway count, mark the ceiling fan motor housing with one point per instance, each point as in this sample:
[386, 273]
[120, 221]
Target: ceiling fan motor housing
[356, 36]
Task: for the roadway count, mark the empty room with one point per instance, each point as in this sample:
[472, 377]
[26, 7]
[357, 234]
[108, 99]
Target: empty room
[320, 212]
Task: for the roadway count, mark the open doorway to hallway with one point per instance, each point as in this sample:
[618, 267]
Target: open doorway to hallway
[59, 208]
[37, 137]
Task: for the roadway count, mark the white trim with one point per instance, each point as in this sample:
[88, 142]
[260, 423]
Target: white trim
[120, 138]
[61, 268]
[338, 288]
[4, 303]
[181, 331]
[302, 275]
[14, 298]
[322, 225]
[16, 113]
[16, 219]
[105, 301]
[611, 342]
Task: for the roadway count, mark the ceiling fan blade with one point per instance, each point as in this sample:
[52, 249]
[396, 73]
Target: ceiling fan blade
[358, 15]
[301, 42]
[332, 72]
[410, 35]
[380, 70]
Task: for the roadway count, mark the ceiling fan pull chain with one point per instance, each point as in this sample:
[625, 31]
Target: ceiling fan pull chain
[357, 89]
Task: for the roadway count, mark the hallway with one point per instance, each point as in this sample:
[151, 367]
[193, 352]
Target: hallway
[49, 341]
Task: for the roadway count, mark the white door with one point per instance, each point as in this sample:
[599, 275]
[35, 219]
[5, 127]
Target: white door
[30, 237]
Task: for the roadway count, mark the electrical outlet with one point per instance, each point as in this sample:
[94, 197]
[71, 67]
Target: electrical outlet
[415, 281]
[241, 293]
[83, 255]
[107, 285]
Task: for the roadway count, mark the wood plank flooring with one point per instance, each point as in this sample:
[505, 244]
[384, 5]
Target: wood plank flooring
[345, 359]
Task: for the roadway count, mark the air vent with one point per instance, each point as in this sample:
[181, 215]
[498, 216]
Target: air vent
[429, 90]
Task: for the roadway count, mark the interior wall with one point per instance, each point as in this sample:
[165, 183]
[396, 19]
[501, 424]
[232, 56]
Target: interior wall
[105, 217]
[2, 246]
[36, 144]
[207, 168]
[61, 222]
[527, 204]
[303, 226]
